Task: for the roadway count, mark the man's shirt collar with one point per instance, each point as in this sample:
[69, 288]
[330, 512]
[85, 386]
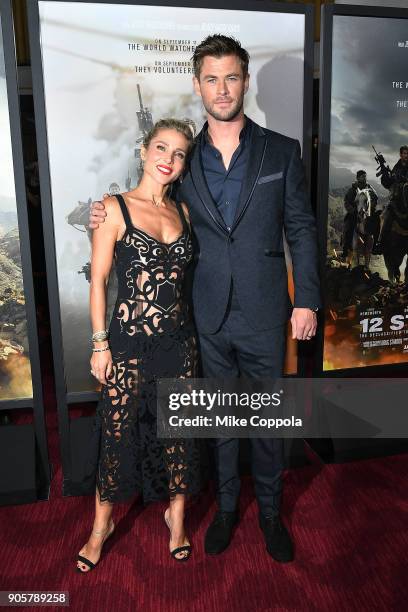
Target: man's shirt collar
[243, 136]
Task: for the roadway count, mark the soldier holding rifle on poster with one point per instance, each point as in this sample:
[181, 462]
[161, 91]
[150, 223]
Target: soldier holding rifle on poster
[393, 180]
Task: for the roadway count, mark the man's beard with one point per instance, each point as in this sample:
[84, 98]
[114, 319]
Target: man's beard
[231, 114]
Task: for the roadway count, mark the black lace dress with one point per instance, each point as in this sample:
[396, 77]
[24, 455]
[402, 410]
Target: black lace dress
[151, 337]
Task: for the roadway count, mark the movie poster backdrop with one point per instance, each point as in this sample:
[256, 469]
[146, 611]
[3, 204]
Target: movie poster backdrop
[366, 317]
[110, 71]
[15, 369]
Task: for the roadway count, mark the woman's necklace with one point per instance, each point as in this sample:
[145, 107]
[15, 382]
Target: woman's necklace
[157, 203]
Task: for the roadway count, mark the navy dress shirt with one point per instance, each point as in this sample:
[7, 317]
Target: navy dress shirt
[225, 185]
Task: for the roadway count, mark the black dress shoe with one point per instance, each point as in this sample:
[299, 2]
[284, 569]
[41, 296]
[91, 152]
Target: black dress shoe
[219, 533]
[277, 539]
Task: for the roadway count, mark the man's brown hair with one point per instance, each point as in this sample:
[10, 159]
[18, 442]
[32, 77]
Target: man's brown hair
[218, 45]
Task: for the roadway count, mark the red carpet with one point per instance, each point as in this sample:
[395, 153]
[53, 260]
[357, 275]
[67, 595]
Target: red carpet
[349, 523]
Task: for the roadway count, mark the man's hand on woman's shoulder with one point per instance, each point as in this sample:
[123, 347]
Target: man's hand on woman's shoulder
[97, 213]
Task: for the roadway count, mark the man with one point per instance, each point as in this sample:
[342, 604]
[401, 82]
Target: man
[350, 204]
[245, 185]
[395, 183]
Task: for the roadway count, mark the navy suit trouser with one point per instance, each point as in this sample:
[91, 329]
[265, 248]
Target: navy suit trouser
[236, 350]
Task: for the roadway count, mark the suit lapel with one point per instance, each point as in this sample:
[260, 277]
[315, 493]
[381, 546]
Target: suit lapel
[257, 148]
[201, 187]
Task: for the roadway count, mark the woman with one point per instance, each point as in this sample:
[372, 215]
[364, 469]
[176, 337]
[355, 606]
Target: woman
[150, 337]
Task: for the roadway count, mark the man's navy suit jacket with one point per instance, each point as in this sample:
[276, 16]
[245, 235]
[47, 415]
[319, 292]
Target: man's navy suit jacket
[273, 198]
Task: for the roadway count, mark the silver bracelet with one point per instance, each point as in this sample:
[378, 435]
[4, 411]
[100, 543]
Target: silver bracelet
[100, 336]
[101, 350]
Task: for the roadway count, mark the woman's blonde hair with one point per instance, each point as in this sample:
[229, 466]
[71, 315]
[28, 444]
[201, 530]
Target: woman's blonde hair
[170, 124]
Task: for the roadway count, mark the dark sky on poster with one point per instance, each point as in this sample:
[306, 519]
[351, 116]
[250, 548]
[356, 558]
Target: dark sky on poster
[369, 54]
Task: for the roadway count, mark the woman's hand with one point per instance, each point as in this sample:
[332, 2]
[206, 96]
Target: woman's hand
[101, 365]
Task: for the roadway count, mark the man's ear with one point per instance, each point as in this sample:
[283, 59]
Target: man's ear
[246, 83]
[196, 85]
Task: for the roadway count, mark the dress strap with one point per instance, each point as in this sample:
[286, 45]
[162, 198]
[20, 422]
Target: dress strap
[183, 217]
[125, 210]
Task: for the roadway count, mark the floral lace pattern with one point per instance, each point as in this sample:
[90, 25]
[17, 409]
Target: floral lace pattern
[151, 337]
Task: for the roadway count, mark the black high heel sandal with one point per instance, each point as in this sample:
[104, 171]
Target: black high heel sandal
[108, 532]
[186, 548]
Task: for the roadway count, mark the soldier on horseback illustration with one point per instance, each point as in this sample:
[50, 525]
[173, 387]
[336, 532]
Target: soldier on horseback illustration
[393, 180]
[361, 221]
[393, 238]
